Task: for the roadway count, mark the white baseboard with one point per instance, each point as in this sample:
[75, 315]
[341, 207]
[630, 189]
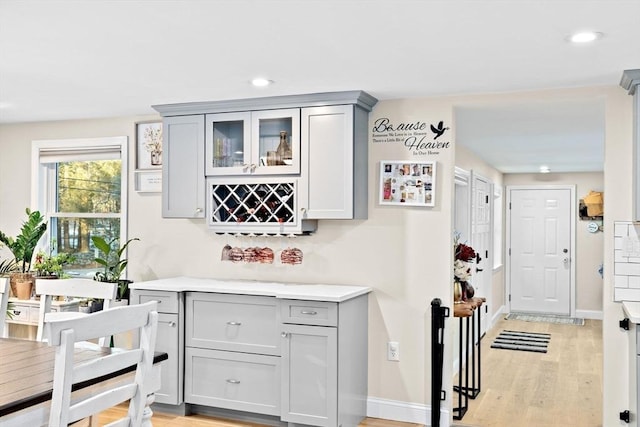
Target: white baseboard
[589, 314]
[404, 411]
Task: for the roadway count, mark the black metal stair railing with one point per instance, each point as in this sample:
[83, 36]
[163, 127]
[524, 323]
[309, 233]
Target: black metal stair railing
[438, 315]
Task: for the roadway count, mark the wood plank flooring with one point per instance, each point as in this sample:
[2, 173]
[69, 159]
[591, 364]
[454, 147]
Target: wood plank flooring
[560, 388]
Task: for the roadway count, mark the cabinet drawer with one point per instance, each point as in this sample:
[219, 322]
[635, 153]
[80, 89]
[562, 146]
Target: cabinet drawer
[21, 314]
[309, 312]
[233, 322]
[238, 381]
[167, 301]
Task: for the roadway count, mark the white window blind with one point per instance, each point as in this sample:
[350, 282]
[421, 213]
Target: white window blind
[54, 151]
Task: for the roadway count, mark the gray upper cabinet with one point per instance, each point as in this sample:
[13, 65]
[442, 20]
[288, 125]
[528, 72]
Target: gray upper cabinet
[183, 192]
[334, 153]
[317, 140]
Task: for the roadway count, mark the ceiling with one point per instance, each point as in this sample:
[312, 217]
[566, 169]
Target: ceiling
[72, 59]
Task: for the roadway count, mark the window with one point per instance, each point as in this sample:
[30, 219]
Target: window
[80, 186]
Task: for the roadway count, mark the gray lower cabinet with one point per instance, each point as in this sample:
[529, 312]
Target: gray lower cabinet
[304, 362]
[233, 380]
[310, 375]
[169, 339]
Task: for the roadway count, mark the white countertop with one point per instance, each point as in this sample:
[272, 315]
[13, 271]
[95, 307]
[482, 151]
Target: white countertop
[299, 291]
[632, 310]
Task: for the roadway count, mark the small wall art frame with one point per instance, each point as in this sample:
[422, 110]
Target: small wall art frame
[149, 145]
[148, 157]
[407, 183]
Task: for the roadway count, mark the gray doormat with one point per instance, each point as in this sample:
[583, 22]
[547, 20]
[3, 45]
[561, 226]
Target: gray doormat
[523, 341]
[546, 318]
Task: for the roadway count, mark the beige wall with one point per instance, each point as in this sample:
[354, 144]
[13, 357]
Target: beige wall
[468, 161]
[589, 246]
[403, 253]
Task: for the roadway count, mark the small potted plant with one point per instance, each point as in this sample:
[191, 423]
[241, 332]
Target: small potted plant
[51, 266]
[22, 248]
[110, 258]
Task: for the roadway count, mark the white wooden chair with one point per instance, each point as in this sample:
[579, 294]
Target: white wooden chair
[82, 288]
[64, 333]
[4, 303]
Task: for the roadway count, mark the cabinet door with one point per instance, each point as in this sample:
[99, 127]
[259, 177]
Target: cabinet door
[228, 149]
[167, 340]
[183, 172]
[328, 155]
[276, 141]
[309, 375]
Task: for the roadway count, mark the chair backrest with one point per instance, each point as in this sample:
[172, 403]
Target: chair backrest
[64, 333]
[81, 288]
[4, 303]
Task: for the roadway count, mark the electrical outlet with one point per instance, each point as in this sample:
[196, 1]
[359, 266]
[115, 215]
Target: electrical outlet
[393, 351]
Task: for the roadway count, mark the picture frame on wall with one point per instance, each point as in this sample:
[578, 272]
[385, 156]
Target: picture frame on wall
[148, 181]
[149, 145]
[407, 183]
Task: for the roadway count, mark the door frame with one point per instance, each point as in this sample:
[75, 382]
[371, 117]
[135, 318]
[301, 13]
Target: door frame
[486, 320]
[572, 239]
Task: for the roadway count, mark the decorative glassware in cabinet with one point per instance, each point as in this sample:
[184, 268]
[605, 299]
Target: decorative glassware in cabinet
[278, 133]
[228, 150]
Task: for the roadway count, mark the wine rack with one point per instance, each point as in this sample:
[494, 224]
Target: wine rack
[261, 207]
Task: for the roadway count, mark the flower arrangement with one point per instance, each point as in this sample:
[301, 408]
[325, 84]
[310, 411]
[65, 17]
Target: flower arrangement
[153, 139]
[464, 256]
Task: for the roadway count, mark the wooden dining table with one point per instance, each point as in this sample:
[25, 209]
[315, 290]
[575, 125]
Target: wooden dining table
[26, 380]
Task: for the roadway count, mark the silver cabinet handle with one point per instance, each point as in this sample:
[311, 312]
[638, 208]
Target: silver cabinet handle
[171, 323]
[253, 167]
[231, 323]
[231, 381]
[284, 334]
[309, 312]
[198, 210]
[16, 312]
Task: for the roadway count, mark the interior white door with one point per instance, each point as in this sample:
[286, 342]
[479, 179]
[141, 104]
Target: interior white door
[481, 242]
[540, 250]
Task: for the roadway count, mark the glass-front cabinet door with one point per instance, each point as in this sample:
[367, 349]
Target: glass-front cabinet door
[228, 143]
[257, 143]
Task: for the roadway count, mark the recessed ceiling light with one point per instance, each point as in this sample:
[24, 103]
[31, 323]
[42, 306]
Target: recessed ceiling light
[585, 37]
[544, 169]
[261, 82]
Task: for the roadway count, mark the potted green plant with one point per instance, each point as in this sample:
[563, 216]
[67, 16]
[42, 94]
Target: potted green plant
[22, 248]
[8, 266]
[51, 266]
[110, 258]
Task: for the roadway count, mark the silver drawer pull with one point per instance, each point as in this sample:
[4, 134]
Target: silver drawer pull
[309, 312]
[16, 312]
[230, 381]
[284, 334]
[171, 323]
[230, 323]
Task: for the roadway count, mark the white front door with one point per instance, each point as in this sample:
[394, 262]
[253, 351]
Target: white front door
[540, 248]
[481, 242]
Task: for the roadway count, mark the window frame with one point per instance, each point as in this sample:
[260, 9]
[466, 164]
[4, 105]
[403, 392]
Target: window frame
[43, 177]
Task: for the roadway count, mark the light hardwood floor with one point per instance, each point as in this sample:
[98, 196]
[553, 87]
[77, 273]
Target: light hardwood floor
[560, 388]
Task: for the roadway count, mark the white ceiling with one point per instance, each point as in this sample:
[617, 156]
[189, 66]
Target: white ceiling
[66, 59]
